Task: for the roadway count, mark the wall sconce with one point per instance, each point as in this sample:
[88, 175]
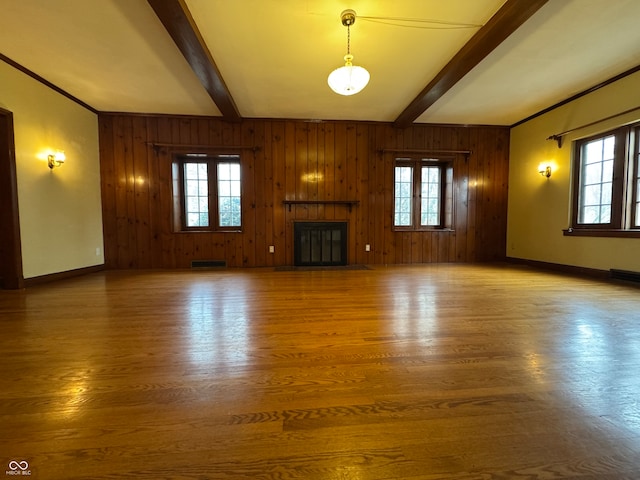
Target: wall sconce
[56, 159]
[544, 170]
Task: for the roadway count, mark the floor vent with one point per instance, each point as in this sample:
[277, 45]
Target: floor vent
[625, 275]
[208, 263]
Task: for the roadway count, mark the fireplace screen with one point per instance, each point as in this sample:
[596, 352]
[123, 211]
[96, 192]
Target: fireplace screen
[320, 243]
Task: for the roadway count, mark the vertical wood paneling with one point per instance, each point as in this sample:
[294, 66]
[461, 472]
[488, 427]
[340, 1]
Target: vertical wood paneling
[301, 158]
[376, 196]
[108, 186]
[388, 236]
[141, 192]
[481, 198]
[153, 186]
[309, 176]
[124, 206]
[350, 178]
[164, 180]
[260, 207]
[362, 213]
[297, 160]
[279, 186]
[188, 246]
[427, 248]
[472, 195]
[290, 188]
[500, 204]
[340, 167]
[131, 251]
[329, 168]
[461, 200]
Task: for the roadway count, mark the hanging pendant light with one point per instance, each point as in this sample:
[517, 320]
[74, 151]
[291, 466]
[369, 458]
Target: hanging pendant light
[348, 79]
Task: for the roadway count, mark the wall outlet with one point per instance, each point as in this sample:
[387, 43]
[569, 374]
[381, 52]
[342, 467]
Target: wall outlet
[98, 251]
[272, 249]
[367, 248]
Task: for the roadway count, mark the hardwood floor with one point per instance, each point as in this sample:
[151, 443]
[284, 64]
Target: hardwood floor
[465, 372]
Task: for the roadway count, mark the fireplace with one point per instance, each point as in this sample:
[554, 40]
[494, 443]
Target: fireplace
[320, 243]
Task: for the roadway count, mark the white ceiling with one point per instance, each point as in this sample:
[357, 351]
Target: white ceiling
[275, 55]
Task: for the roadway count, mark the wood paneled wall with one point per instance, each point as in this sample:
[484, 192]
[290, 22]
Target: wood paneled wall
[297, 160]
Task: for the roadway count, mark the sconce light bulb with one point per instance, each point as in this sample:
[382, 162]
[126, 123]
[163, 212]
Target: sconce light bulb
[545, 170]
[60, 156]
[56, 159]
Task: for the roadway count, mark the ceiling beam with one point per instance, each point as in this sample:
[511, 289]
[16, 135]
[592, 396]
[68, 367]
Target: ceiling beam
[176, 18]
[506, 21]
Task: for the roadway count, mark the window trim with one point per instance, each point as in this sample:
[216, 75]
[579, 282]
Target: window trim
[445, 164]
[625, 170]
[633, 184]
[179, 197]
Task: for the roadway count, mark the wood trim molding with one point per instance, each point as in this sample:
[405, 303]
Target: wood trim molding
[176, 18]
[11, 274]
[558, 267]
[47, 83]
[425, 151]
[579, 95]
[53, 277]
[506, 21]
[197, 148]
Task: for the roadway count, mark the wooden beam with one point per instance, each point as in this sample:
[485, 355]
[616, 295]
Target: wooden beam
[506, 21]
[176, 18]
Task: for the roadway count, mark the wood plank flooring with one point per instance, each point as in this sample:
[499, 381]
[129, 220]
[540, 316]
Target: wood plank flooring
[427, 372]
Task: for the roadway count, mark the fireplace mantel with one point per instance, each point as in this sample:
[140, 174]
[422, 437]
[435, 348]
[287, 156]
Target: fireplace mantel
[349, 203]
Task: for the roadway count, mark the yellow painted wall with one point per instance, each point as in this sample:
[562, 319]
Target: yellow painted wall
[539, 208]
[60, 210]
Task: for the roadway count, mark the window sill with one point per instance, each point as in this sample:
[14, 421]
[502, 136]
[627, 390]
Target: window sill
[601, 232]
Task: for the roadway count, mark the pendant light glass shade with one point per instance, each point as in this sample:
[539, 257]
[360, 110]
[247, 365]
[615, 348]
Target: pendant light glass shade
[348, 79]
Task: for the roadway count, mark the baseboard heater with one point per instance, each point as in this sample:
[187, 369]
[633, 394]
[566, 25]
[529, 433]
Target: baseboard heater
[208, 263]
[625, 275]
